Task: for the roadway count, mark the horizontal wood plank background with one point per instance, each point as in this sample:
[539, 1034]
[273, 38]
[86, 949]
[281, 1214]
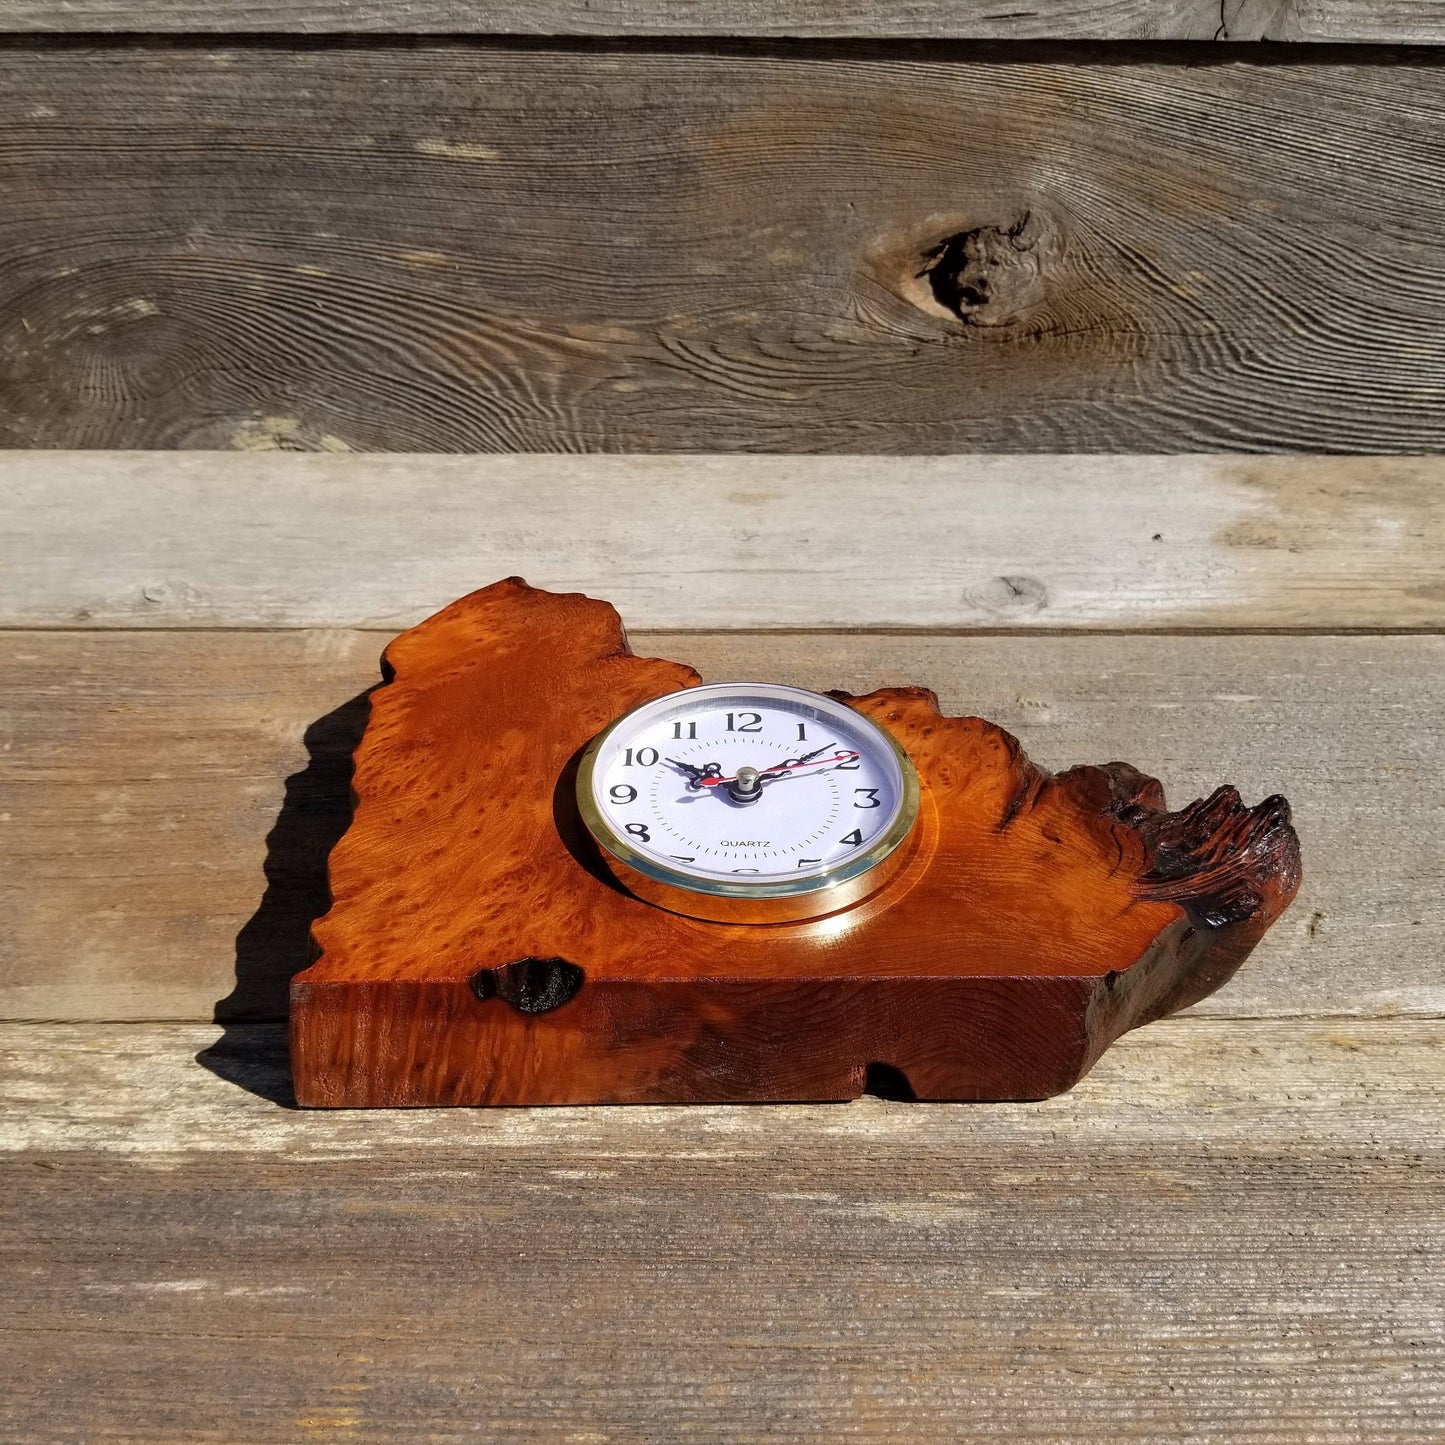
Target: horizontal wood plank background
[278, 226]
[146, 769]
[1228, 1232]
[1233, 1085]
[454, 246]
[1395, 21]
[728, 543]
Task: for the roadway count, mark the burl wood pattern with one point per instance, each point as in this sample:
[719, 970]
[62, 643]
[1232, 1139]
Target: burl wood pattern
[478, 952]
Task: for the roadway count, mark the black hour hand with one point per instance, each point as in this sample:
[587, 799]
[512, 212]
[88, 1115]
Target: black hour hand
[696, 775]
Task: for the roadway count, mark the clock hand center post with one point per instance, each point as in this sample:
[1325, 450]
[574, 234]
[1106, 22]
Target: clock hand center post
[746, 787]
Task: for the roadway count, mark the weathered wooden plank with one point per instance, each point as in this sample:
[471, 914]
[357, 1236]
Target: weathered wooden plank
[141, 773]
[1401, 22]
[1269, 1086]
[1230, 1232]
[227, 539]
[462, 247]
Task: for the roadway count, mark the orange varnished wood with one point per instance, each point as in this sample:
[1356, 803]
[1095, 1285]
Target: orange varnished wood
[478, 951]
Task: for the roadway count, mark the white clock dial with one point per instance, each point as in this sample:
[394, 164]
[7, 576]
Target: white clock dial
[748, 789]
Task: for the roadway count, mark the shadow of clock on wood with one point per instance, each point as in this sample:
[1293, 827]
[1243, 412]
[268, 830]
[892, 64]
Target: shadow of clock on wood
[275, 942]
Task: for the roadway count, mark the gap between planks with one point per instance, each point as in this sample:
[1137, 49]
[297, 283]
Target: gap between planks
[1235, 21]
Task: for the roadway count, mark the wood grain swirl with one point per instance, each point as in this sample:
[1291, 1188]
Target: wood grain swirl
[451, 247]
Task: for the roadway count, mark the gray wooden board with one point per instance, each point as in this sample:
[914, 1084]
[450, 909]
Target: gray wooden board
[1401, 21]
[126, 539]
[1327, 1086]
[450, 246]
[141, 773]
[1229, 1232]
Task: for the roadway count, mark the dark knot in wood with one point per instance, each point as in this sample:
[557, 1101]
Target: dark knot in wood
[988, 276]
[530, 985]
[1008, 596]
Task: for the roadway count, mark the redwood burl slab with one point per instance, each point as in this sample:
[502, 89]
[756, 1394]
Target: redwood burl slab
[477, 953]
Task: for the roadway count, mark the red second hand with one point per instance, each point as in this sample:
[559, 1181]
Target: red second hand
[785, 768]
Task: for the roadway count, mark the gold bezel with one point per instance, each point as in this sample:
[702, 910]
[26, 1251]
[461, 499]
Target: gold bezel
[887, 842]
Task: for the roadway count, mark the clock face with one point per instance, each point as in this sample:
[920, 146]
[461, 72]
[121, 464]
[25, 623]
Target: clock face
[749, 790]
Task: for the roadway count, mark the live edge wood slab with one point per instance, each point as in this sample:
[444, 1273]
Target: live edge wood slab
[478, 952]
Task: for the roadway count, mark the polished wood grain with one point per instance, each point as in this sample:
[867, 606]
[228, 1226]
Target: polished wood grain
[478, 949]
[1229, 1232]
[1395, 21]
[172, 796]
[438, 246]
[728, 543]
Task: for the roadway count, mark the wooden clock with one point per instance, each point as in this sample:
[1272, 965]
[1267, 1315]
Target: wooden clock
[579, 876]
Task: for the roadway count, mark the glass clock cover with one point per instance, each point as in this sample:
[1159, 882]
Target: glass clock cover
[747, 789]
